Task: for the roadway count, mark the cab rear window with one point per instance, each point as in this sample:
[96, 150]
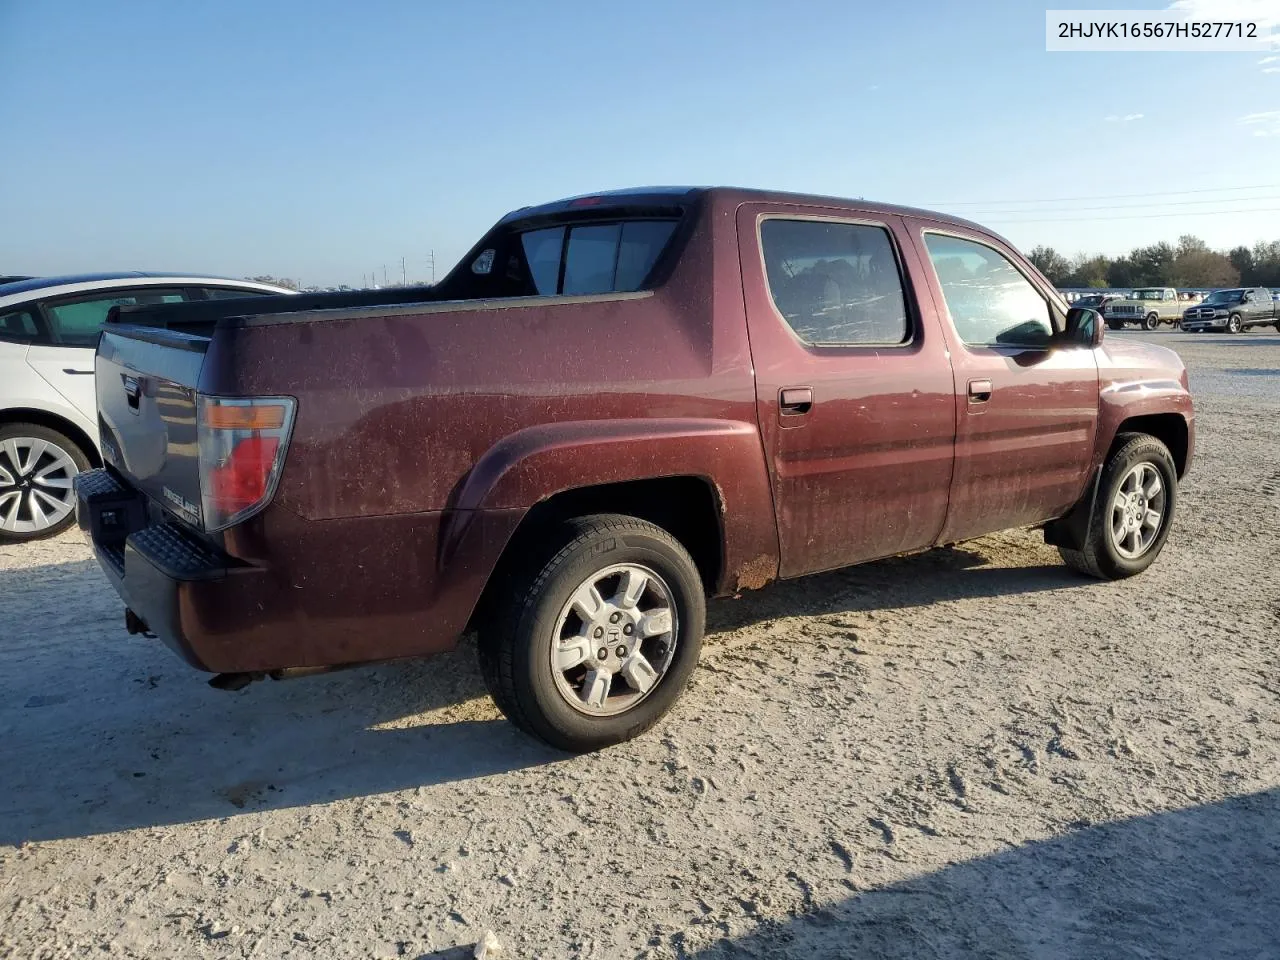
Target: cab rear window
[576, 259]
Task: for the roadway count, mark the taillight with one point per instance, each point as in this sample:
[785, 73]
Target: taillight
[242, 447]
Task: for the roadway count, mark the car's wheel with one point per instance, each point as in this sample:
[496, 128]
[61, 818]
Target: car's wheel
[37, 466]
[597, 640]
[1134, 508]
[1151, 321]
[1234, 323]
[1115, 325]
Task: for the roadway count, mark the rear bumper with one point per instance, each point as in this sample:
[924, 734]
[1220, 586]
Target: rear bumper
[153, 566]
[317, 593]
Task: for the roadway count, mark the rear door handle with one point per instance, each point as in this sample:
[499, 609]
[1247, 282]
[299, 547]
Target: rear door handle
[795, 401]
[73, 370]
[979, 391]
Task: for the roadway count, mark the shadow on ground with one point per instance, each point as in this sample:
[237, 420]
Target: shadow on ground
[948, 573]
[100, 731]
[1200, 882]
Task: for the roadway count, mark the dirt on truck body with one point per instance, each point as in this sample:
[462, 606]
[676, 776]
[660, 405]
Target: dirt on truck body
[613, 407]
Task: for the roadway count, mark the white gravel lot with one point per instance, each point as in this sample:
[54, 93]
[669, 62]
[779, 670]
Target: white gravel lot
[968, 753]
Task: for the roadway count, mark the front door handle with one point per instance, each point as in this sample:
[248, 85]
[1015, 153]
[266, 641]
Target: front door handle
[795, 401]
[73, 370]
[979, 391]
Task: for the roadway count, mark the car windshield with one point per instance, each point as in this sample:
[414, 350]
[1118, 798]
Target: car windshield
[1148, 294]
[1224, 296]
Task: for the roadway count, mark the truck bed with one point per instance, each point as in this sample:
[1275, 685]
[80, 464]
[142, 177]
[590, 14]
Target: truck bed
[200, 317]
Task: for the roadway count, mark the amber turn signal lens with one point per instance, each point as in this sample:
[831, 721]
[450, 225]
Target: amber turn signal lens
[237, 417]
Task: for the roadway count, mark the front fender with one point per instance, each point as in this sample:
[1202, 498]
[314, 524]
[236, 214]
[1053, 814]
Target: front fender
[1140, 398]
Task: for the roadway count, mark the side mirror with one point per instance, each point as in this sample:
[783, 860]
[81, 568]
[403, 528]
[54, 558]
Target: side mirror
[1084, 327]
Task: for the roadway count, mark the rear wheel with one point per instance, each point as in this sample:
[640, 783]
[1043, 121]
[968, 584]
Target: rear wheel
[1234, 323]
[1151, 321]
[597, 640]
[1132, 513]
[37, 467]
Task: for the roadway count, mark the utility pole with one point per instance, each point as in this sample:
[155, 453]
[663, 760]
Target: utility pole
[432, 261]
[384, 274]
[404, 277]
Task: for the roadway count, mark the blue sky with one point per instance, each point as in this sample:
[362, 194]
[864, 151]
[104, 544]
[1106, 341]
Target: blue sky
[322, 140]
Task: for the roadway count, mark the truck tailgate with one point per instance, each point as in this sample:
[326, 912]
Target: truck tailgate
[146, 384]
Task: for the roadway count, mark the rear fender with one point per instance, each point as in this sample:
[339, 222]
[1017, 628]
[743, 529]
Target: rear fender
[539, 462]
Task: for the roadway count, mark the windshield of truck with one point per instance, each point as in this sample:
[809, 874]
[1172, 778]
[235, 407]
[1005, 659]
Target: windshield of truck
[1148, 295]
[1225, 296]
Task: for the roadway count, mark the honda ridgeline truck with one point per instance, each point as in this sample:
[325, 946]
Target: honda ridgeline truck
[613, 408]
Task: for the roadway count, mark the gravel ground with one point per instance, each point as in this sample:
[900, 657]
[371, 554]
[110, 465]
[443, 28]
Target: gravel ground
[967, 753]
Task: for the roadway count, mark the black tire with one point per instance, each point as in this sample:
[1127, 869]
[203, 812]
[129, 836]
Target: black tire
[1151, 321]
[1115, 325]
[515, 642]
[1099, 557]
[64, 444]
[1234, 323]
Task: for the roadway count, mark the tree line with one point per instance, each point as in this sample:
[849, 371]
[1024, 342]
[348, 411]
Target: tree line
[1188, 263]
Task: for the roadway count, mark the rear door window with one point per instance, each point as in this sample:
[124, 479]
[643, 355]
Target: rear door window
[18, 326]
[77, 322]
[835, 283]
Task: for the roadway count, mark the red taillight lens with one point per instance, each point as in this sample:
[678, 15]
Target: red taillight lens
[241, 481]
[242, 446]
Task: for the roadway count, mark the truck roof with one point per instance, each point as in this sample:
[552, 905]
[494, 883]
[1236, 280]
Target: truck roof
[640, 196]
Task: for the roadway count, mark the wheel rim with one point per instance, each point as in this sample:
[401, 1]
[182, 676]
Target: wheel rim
[1137, 511]
[1234, 324]
[1152, 322]
[35, 484]
[614, 640]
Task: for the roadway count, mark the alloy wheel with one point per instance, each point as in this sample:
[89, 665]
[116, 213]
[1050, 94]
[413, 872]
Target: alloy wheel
[1137, 511]
[614, 640]
[35, 484]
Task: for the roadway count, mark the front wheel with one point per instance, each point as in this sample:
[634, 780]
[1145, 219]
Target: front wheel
[1151, 321]
[597, 641]
[1115, 325]
[1234, 323]
[1132, 513]
[37, 467]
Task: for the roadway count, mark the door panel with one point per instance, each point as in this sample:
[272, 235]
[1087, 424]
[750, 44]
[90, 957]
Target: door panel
[859, 436]
[69, 370]
[1027, 409]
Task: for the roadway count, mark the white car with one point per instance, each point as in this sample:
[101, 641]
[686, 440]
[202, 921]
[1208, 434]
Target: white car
[48, 409]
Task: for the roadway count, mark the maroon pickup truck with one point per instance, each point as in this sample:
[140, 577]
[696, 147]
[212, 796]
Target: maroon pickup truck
[614, 407]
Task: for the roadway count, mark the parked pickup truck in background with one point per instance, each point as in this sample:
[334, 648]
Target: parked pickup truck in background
[1148, 307]
[1233, 311]
[614, 407]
